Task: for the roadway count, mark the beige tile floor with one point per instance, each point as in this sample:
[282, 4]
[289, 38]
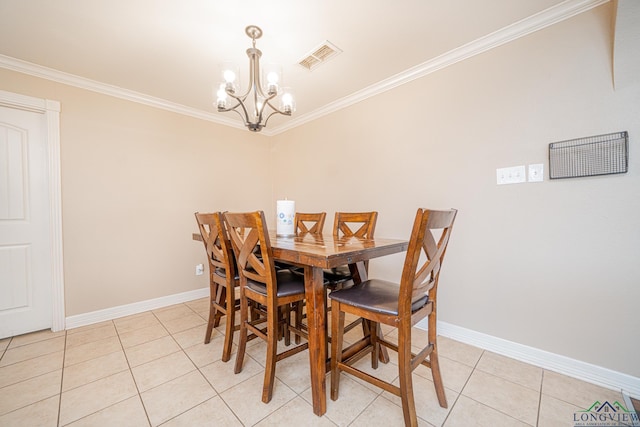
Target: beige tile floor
[153, 369]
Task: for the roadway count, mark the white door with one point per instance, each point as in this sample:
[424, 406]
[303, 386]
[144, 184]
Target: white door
[25, 233]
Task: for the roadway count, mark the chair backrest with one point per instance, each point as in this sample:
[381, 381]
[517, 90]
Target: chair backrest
[216, 242]
[250, 240]
[309, 222]
[364, 224]
[419, 280]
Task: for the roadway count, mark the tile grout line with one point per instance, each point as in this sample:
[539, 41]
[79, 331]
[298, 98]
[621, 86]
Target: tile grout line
[540, 400]
[95, 380]
[64, 355]
[6, 348]
[509, 381]
[144, 408]
[197, 369]
[218, 394]
[462, 388]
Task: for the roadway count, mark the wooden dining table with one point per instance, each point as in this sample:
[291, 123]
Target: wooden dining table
[315, 253]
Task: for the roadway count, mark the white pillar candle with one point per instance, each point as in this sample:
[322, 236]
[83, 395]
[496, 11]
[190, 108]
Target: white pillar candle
[285, 212]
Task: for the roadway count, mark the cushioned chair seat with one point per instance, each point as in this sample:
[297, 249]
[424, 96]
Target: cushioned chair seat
[223, 273]
[288, 284]
[375, 295]
[337, 276]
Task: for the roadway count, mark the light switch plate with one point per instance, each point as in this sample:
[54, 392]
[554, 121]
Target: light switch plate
[511, 175]
[536, 173]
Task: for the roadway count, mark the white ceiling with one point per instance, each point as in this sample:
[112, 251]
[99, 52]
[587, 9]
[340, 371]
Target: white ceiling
[167, 53]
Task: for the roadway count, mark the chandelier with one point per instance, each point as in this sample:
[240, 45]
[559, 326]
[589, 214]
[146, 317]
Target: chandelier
[258, 103]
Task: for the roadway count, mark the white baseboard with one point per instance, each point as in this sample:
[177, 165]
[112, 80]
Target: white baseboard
[134, 308]
[554, 362]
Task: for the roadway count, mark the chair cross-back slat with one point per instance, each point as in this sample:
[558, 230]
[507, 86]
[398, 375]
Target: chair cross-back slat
[419, 280]
[210, 232]
[309, 222]
[364, 224]
[246, 241]
[434, 252]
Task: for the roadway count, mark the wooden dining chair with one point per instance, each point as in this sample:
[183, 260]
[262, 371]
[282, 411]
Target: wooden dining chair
[347, 224]
[399, 305]
[309, 222]
[262, 284]
[303, 223]
[223, 278]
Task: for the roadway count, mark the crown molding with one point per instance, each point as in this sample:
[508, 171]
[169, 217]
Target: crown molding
[46, 73]
[533, 23]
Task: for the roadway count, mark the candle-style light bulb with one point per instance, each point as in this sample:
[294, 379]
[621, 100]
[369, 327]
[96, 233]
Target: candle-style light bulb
[222, 97]
[287, 103]
[230, 78]
[272, 83]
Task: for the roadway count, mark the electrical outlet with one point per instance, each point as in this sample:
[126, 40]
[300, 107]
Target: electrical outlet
[536, 173]
[199, 270]
[511, 175]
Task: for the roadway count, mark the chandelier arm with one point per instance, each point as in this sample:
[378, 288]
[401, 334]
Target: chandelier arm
[266, 102]
[225, 110]
[276, 110]
[269, 116]
[240, 103]
[244, 118]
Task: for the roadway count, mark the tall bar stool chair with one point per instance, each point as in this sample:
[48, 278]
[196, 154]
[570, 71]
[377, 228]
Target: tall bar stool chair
[305, 223]
[309, 222]
[312, 223]
[223, 278]
[399, 305]
[347, 224]
[262, 284]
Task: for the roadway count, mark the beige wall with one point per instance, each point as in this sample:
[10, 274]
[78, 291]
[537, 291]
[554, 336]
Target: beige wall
[552, 265]
[132, 177]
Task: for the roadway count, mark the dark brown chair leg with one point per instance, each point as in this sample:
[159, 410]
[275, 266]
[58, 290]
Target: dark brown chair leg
[437, 378]
[221, 299]
[272, 348]
[286, 321]
[212, 314]
[230, 327]
[375, 351]
[242, 344]
[337, 335]
[299, 306]
[406, 381]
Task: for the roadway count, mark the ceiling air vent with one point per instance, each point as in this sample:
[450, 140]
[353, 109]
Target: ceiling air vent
[319, 55]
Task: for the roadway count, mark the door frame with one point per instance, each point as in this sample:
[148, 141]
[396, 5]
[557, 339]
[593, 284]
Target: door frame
[51, 111]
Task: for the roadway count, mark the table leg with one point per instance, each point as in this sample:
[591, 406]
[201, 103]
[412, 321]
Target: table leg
[316, 320]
